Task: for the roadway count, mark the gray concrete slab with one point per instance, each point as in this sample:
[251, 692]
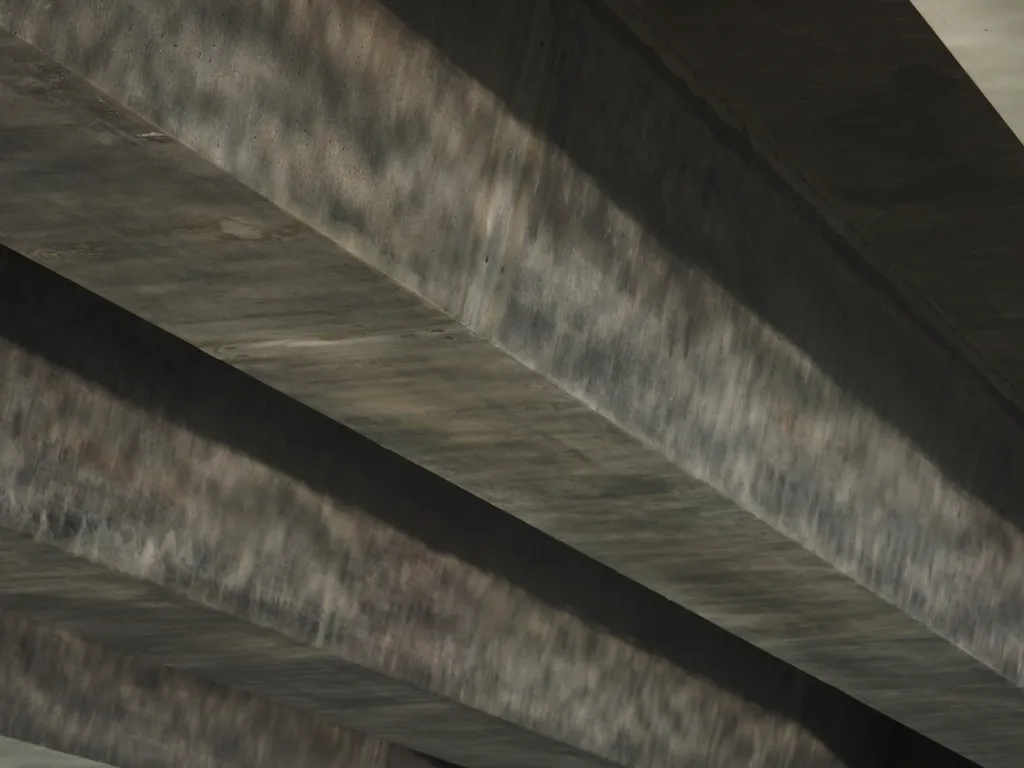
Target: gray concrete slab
[745, 423]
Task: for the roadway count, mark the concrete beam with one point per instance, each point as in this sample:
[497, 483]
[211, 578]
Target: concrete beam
[744, 422]
[93, 705]
[158, 502]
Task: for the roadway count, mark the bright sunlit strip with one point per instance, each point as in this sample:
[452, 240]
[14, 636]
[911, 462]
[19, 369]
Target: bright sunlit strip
[987, 38]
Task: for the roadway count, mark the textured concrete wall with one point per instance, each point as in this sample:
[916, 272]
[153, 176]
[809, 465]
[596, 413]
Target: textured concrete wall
[89, 701]
[583, 218]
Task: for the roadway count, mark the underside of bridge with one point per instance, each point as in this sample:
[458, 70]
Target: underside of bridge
[403, 383]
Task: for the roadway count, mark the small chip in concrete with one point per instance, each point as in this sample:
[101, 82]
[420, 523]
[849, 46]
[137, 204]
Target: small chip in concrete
[241, 231]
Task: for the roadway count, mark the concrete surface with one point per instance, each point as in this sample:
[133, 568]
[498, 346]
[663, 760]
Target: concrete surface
[85, 703]
[160, 503]
[659, 352]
